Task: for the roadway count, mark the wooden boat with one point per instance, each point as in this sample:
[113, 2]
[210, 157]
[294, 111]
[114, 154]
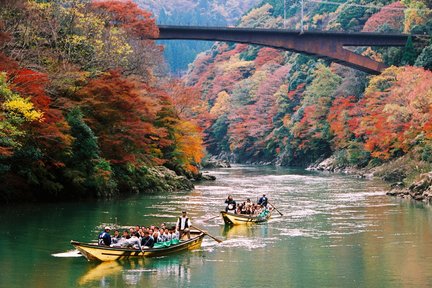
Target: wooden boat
[240, 219]
[95, 252]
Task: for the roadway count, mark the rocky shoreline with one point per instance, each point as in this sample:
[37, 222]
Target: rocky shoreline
[420, 189]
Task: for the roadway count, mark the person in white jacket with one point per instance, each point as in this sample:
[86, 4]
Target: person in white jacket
[183, 225]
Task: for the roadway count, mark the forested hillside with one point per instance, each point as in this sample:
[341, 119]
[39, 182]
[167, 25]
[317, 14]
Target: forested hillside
[179, 54]
[272, 106]
[85, 110]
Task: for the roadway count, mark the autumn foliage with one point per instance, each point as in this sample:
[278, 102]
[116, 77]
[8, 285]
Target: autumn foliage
[90, 118]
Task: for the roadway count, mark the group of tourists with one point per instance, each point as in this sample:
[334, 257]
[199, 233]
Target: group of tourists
[141, 237]
[247, 207]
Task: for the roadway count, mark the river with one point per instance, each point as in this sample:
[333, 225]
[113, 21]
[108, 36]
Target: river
[336, 231]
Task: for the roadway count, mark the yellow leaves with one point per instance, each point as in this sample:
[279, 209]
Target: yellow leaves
[188, 139]
[372, 54]
[286, 120]
[16, 106]
[382, 82]
[417, 13]
[235, 64]
[20, 107]
[221, 105]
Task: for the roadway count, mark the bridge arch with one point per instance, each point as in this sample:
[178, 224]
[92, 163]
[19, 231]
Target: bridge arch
[326, 44]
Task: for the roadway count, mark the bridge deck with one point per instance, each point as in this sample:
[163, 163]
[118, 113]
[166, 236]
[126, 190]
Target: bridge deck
[324, 44]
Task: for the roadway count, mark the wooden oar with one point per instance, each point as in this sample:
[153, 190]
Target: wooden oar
[211, 218]
[275, 208]
[206, 233]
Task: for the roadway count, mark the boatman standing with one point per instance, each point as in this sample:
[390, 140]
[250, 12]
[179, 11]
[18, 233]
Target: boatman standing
[104, 237]
[231, 204]
[263, 201]
[183, 224]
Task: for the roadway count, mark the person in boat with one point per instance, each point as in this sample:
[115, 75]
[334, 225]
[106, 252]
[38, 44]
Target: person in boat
[183, 224]
[125, 234]
[248, 206]
[263, 201]
[156, 234]
[166, 236]
[116, 237]
[231, 205]
[134, 241]
[104, 237]
[174, 233]
[147, 241]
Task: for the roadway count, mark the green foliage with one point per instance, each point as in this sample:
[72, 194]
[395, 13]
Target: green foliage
[353, 155]
[425, 58]
[409, 54]
[250, 53]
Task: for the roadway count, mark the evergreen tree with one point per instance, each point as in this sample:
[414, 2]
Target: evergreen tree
[409, 55]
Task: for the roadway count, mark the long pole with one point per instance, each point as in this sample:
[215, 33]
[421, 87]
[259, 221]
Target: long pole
[275, 208]
[206, 233]
[284, 24]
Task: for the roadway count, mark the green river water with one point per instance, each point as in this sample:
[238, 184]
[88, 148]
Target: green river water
[337, 231]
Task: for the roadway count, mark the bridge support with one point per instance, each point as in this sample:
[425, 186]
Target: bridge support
[329, 45]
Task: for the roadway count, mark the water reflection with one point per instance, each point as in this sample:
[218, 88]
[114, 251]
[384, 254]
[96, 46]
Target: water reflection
[99, 272]
[138, 272]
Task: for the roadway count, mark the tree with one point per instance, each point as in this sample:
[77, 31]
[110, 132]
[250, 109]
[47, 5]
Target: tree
[409, 54]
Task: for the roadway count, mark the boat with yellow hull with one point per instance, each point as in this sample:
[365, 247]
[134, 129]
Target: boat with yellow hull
[241, 219]
[95, 252]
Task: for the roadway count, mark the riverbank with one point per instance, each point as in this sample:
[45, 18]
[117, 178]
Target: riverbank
[407, 177]
[155, 179]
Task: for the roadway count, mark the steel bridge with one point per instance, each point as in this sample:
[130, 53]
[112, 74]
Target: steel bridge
[325, 44]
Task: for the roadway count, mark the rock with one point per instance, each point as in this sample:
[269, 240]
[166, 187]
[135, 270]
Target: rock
[423, 184]
[397, 185]
[212, 162]
[204, 177]
[161, 178]
[208, 177]
[395, 175]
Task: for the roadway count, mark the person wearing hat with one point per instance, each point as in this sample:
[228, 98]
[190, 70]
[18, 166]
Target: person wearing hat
[104, 237]
[183, 224]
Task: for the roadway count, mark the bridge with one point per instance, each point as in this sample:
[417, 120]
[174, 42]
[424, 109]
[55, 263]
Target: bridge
[326, 44]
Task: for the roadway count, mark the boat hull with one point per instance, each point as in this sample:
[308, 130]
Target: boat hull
[94, 252]
[242, 219]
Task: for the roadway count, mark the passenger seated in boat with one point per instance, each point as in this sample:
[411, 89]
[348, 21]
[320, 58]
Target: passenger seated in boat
[259, 209]
[147, 241]
[231, 205]
[248, 206]
[134, 241]
[156, 234]
[174, 234]
[125, 234]
[167, 236]
[104, 237]
[116, 237]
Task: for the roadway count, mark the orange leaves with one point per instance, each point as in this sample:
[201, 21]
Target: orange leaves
[268, 55]
[340, 120]
[395, 110]
[122, 112]
[188, 139]
[128, 15]
[391, 18]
